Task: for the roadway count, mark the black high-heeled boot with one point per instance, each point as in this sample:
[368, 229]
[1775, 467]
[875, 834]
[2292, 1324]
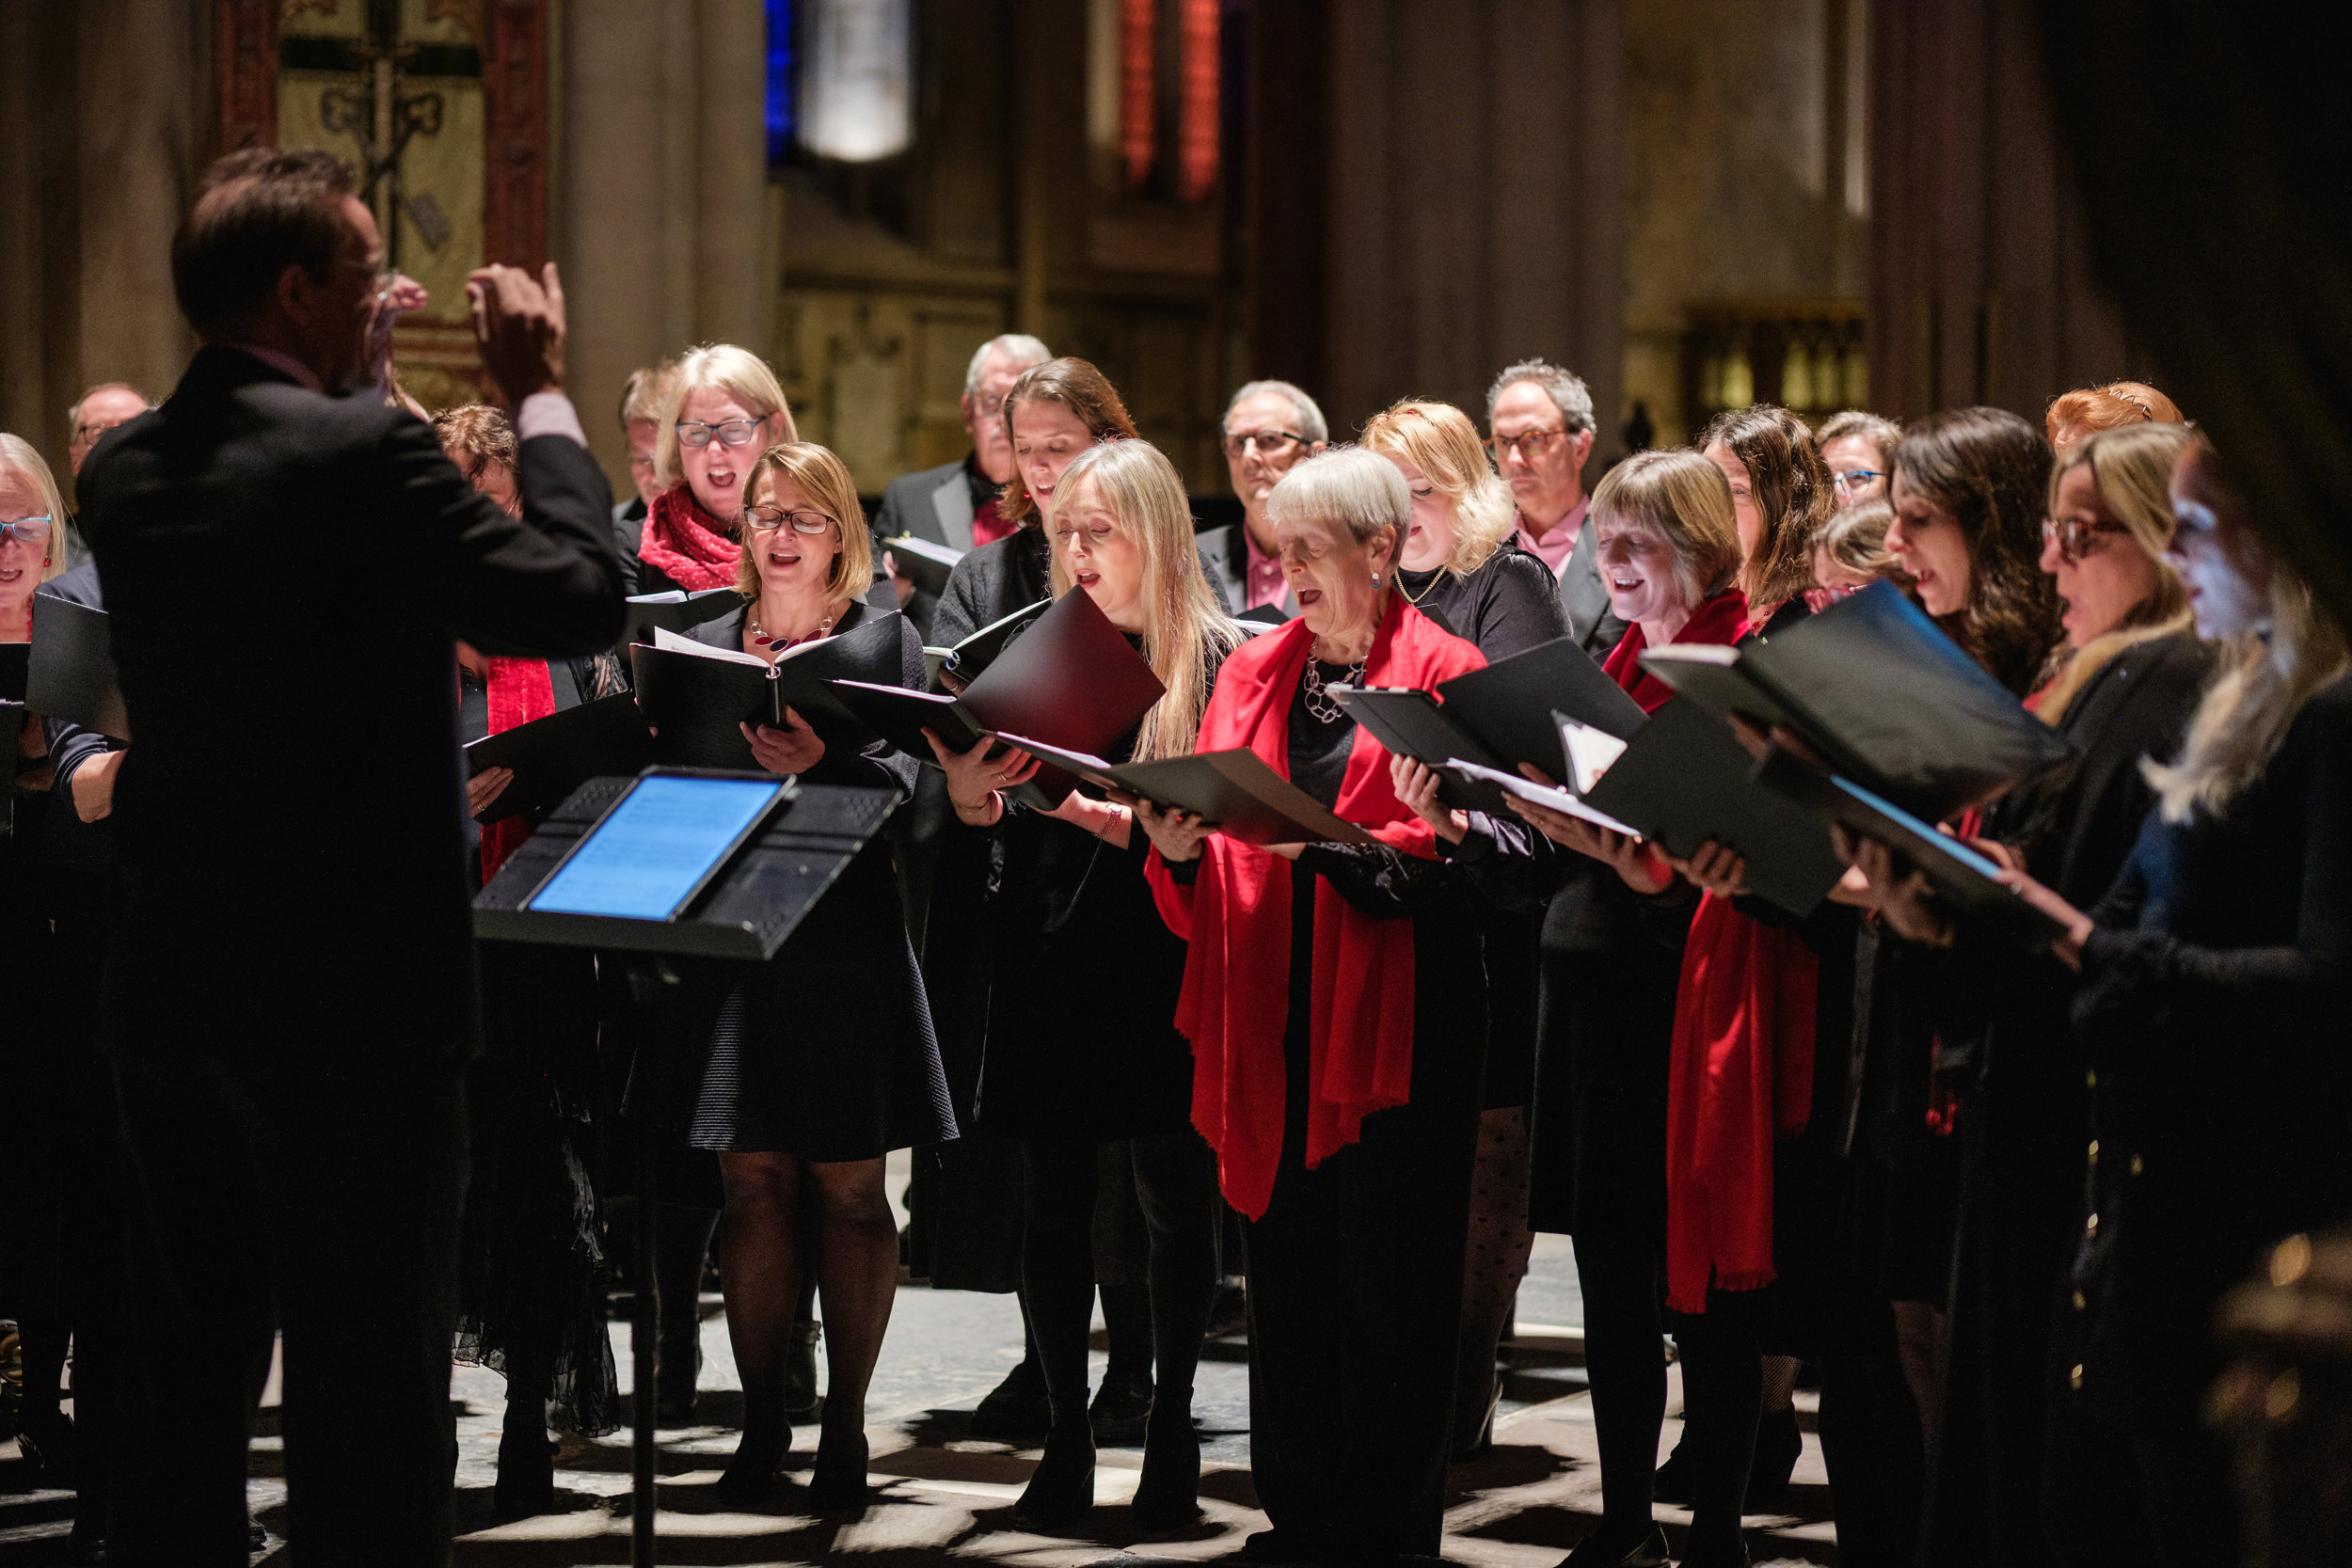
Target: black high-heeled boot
[1169, 1496]
[749, 1479]
[838, 1480]
[1061, 1489]
[1778, 1444]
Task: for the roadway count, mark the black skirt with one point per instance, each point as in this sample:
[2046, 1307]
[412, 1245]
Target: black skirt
[826, 1051]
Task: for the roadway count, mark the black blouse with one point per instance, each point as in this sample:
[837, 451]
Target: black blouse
[1508, 605]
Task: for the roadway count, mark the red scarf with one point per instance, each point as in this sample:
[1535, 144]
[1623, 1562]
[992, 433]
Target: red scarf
[520, 690]
[1741, 1078]
[1721, 619]
[987, 527]
[690, 544]
[1236, 918]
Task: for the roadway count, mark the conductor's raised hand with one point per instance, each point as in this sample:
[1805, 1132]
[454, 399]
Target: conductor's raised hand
[973, 775]
[518, 326]
[1416, 785]
[1176, 835]
[793, 749]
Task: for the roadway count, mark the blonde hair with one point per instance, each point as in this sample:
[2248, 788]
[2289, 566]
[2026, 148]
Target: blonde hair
[2131, 467]
[1685, 500]
[826, 479]
[645, 392]
[732, 370]
[476, 437]
[2266, 676]
[1181, 621]
[1438, 439]
[1856, 539]
[18, 453]
[1361, 489]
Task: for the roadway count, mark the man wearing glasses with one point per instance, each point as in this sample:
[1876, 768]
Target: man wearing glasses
[955, 504]
[98, 411]
[1270, 427]
[1539, 425]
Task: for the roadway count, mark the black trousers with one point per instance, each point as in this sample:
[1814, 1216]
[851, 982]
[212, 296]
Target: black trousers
[313, 1190]
[1354, 1311]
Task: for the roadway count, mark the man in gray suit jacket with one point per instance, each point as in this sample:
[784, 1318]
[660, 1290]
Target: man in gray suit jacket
[940, 504]
[1539, 422]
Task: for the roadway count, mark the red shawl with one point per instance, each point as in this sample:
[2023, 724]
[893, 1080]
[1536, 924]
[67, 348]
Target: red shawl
[690, 544]
[1236, 918]
[1742, 1077]
[1721, 619]
[520, 690]
[987, 527]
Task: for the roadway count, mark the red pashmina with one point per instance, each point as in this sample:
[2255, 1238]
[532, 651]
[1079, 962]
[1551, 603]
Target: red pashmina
[987, 527]
[1741, 1078]
[690, 544]
[520, 690]
[1236, 919]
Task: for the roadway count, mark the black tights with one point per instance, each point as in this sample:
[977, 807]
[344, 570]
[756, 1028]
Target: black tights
[1625, 1363]
[1722, 1394]
[1176, 1181]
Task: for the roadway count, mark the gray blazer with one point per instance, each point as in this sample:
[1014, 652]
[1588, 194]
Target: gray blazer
[934, 504]
[1591, 621]
[1225, 562]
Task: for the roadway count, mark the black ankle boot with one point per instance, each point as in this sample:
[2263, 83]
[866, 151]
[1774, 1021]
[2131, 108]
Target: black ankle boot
[800, 1370]
[838, 1480]
[526, 1483]
[750, 1475]
[1062, 1488]
[1673, 1481]
[1168, 1496]
[1777, 1445]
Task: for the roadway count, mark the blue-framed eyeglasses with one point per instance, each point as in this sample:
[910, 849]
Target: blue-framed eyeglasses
[33, 531]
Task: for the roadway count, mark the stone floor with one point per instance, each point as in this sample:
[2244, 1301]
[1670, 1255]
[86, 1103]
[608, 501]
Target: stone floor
[943, 1497]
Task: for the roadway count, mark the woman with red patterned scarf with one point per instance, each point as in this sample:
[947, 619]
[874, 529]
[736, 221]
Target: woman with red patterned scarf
[1669, 556]
[1334, 998]
[725, 409]
[531, 1286]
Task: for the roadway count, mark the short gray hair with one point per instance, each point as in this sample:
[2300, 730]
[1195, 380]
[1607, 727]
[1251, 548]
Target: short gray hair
[1312, 423]
[1567, 391]
[1357, 487]
[1013, 345]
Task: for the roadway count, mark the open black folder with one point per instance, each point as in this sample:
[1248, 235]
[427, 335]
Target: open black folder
[1494, 718]
[555, 755]
[676, 612]
[1966, 879]
[1235, 790]
[1072, 680]
[695, 695]
[70, 671]
[1683, 780]
[922, 562]
[975, 653]
[1883, 696]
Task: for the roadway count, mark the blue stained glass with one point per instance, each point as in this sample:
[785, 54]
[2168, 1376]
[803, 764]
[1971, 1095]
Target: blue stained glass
[781, 109]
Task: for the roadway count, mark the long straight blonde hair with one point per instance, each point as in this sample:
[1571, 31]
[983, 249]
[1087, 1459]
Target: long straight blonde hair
[1181, 621]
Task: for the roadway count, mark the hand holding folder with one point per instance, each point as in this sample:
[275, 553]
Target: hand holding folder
[1233, 791]
[694, 696]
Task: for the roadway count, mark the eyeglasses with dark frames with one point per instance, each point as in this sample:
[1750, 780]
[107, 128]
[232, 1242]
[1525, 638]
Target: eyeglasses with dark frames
[1271, 443]
[1529, 444]
[2074, 538]
[767, 519]
[732, 432]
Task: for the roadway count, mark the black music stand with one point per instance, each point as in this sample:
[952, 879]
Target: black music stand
[764, 858]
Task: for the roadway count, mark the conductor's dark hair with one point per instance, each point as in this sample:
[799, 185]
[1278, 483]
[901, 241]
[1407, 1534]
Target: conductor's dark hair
[257, 212]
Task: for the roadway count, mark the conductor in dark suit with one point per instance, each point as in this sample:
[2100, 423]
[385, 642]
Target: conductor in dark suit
[290, 990]
[955, 504]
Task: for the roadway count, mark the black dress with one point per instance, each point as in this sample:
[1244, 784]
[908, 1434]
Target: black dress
[826, 1051]
[2010, 1051]
[2210, 1011]
[1356, 1268]
[1507, 606]
[532, 1271]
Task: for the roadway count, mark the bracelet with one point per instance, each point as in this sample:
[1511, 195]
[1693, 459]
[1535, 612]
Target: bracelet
[988, 815]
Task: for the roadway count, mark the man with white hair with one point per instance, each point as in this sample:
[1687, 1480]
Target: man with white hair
[1270, 427]
[955, 504]
[1539, 425]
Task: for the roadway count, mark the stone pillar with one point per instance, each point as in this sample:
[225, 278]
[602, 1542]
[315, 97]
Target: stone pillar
[664, 199]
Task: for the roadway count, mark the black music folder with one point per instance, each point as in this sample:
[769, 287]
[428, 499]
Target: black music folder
[922, 562]
[555, 755]
[1414, 724]
[676, 612]
[69, 670]
[1883, 697]
[975, 653]
[1072, 680]
[1262, 618]
[1235, 790]
[15, 663]
[1683, 780]
[693, 696]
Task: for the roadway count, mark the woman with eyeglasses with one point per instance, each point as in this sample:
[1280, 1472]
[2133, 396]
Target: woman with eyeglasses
[967, 1201]
[822, 1061]
[1083, 1061]
[2126, 681]
[1855, 446]
[724, 409]
[1460, 567]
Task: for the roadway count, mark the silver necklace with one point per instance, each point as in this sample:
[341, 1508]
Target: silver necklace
[1321, 706]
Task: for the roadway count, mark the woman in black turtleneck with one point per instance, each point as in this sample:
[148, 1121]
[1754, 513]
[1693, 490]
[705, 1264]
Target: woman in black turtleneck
[1459, 567]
